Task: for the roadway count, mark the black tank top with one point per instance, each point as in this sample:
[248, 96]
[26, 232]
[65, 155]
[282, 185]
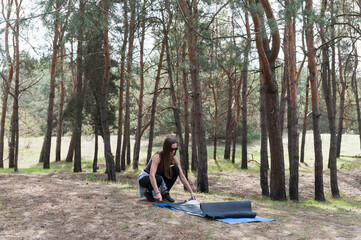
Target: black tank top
[160, 170]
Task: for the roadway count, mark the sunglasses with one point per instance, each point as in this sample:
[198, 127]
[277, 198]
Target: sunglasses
[173, 149]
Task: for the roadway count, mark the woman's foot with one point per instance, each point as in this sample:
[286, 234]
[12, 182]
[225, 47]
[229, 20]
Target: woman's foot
[165, 196]
[149, 195]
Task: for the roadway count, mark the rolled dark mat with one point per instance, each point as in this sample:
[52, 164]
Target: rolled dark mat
[240, 209]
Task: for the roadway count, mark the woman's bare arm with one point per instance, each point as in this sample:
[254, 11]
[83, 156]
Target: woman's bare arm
[153, 181]
[183, 178]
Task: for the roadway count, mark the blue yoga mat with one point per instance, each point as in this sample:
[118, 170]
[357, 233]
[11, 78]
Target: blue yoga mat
[194, 207]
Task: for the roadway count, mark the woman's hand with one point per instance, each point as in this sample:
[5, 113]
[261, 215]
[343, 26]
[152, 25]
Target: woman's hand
[193, 196]
[158, 196]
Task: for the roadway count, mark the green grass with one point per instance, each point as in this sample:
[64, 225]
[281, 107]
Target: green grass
[30, 149]
[1, 206]
[348, 164]
[335, 206]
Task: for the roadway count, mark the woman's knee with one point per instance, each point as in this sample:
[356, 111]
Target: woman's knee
[175, 170]
[144, 181]
[159, 180]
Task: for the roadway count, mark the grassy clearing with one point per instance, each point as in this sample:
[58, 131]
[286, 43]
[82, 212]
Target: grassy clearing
[30, 147]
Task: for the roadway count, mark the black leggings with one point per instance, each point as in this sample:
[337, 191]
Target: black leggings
[145, 181]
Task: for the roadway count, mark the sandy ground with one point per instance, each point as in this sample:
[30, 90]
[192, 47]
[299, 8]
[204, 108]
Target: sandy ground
[64, 206]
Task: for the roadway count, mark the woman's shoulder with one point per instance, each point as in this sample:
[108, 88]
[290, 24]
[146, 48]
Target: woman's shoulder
[156, 156]
[175, 160]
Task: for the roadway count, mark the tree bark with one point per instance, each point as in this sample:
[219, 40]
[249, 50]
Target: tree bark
[194, 166]
[186, 108]
[138, 134]
[128, 78]
[177, 119]
[355, 90]
[228, 137]
[267, 57]
[95, 159]
[283, 98]
[215, 118]
[293, 135]
[342, 104]
[109, 159]
[45, 153]
[79, 92]
[202, 177]
[330, 100]
[312, 67]
[236, 117]
[7, 85]
[70, 155]
[14, 145]
[264, 137]
[244, 94]
[60, 110]
[305, 121]
[154, 101]
[118, 166]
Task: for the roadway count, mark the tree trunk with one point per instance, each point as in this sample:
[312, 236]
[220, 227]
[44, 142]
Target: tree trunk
[138, 135]
[14, 142]
[305, 121]
[228, 137]
[109, 159]
[264, 137]
[237, 98]
[177, 119]
[121, 89]
[267, 57]
[312, 67]
[70, 155]
[215, 120]
[79, 92]
[283, 93]
[45, 153]
[128, 76]
[354, 84]
[293, 135]
[333, 142]
[355, 90]
[15, 127]
[215, 117]
[342, 104]
[60, 110]
[244, 94]
[202, 177]
[95, 159]
[236, 117]
[285, 83]
[194, 166]
[154, 102]
[329, 99]
[7, 85]
[186, 107]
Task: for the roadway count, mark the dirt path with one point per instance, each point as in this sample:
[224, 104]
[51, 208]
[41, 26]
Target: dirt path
[35, 206]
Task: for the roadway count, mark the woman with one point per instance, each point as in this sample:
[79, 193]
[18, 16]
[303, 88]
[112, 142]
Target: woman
[159, 176]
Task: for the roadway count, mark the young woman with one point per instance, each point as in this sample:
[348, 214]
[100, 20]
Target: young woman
[159, 175]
